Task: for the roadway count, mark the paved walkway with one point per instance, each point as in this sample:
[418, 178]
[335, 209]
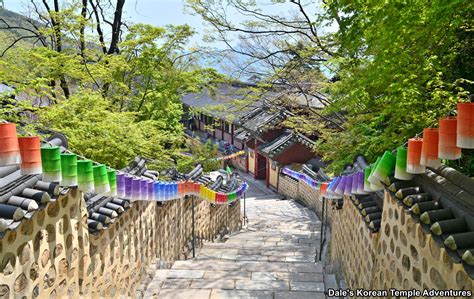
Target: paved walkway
[271, 258]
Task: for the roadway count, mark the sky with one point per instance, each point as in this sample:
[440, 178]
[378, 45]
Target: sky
[165, 12]
[155, 12]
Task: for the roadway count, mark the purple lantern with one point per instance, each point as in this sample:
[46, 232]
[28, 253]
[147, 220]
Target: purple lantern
[341, 186]
[136, 192]
[348, 187]
[128, 186]
[121, 185]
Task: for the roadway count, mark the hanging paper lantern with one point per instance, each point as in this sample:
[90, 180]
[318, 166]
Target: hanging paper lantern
[175, 190]
[465, 125]
[401, 164]
[120, 179]
[447, 148]
[169, 190]
[414, 156]
[85, 175]
[156, 190]
[323, 189]
[128, 187]
[348, 187]
[372, 179]
[136, 191]
[374, 185]
[30, 150]
[9, 147]
[367, 172]
[360, 183]
[385, 167]
[333, 185]
[143, 189]
[101, 180]
[112, 176]
[68, 170]
[354, 183]
[151, 192]
[429, 149]
[341, 186]
[51, 162]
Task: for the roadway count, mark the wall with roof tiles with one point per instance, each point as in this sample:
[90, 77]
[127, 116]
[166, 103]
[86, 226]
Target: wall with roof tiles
[288, 187]
[273, 174]
[251, 156]
[53, 255]
[400, 255]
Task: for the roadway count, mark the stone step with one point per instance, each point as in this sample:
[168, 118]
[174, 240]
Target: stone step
[222, 265]
[330, 282]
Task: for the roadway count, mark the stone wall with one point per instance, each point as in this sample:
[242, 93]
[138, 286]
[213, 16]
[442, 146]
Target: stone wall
[399, 256]
[54, 255]
[288, 187]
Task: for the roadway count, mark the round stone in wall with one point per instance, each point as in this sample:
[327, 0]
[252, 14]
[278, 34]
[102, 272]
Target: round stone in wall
[4, 291]
[34, 271]
[23, 253]
[434, 249]
[27, 227]
[50, 277]
[437, 279]
[45, 258]
[20, 283]
[53, 209]
[8, 264]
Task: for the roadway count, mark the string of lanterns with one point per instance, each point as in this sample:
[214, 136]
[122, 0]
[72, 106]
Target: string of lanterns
[89, 176]
[232, 156]
[440, 143]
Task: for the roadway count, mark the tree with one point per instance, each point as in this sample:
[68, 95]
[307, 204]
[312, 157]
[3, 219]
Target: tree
[402, 67]
[128, 94]
[395, 67]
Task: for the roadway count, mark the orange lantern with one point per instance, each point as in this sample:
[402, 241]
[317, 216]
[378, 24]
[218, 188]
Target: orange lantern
[447, 148]
[414, 155]
[9, 147]
[429, 149]
[465, 125]
[181, 188]
[323, 189]
[30, 150]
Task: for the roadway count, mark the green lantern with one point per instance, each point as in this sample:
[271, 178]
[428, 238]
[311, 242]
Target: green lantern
[112, 176]
[51, 163]
[385, 167]
[401, 164]
[367, 172]
[85, 175]
[374, 184]
[69, 170]
[101, 179]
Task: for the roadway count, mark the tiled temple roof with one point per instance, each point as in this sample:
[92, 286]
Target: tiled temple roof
[227, 100]
[242, 135]
[263, 118]
[283, 142]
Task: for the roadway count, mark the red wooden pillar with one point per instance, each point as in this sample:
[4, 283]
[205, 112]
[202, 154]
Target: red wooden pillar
[255, 155]
[268, 172]
[247, 162]
[222, 129]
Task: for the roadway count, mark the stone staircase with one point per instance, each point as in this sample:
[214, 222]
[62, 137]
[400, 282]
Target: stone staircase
[273, 257]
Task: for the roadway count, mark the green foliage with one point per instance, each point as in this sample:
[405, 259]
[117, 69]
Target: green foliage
[102, 135]
[119, 106]
[205, 154]
[401, 67]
